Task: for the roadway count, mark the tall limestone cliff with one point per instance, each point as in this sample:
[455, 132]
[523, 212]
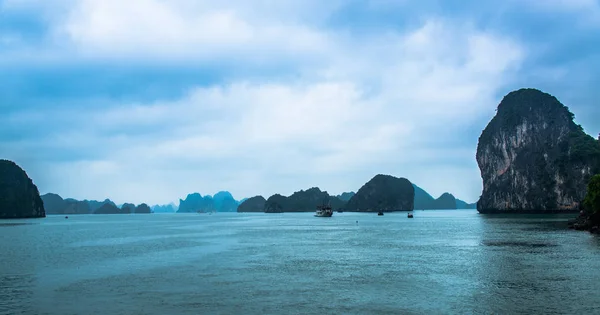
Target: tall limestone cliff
[533, 157]
[383, 193]
[19, 197]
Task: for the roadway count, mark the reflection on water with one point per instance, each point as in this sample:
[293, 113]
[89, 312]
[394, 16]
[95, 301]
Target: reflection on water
[14, 223]
[438, 262]
[517, 244]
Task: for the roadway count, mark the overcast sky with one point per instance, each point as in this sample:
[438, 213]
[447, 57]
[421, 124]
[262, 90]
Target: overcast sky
[148, 100]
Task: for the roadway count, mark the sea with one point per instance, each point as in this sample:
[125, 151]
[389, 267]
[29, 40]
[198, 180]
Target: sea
[439, 262]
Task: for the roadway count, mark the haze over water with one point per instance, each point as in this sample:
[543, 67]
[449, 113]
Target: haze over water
[292, 263]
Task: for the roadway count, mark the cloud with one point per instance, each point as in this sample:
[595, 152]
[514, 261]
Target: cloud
[196, 30]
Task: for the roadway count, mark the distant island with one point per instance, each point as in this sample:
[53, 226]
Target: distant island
[55, 204]
[222, 201]
[381, 193]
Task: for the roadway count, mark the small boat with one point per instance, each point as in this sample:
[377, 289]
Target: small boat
[324, 210]
[380, 213]
[410, 215]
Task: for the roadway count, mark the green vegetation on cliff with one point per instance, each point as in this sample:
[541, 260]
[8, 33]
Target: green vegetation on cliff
[592, 198]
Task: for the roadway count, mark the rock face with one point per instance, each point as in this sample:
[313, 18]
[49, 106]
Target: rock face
[254, 204]
[19, 197]
[533, 157]
[383, 193]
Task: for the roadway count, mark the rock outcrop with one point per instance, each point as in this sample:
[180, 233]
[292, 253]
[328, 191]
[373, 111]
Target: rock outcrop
[254, 204]
[383, 193]
[19, 197]
[533, 157]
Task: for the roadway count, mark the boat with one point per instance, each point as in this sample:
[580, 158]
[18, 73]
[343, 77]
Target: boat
[380, 213]
[324, 210]
[410, 215]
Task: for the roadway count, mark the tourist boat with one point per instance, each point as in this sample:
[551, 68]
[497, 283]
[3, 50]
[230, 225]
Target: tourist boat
[380, 213]
[324, 210]
[410, 215]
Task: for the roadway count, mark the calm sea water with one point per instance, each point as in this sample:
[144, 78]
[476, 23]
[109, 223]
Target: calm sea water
[439, 262]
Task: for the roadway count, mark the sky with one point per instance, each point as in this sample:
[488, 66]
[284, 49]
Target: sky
[148, 100]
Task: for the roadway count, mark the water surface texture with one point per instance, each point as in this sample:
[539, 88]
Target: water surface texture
[293, 263]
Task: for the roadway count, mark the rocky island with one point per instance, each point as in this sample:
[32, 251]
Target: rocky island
[533, 158]
[254, 204]
[383, 193]
[19, 196]
[222, 201]
[301, 201]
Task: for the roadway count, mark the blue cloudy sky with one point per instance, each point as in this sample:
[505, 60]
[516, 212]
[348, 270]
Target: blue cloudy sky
[148, 100]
